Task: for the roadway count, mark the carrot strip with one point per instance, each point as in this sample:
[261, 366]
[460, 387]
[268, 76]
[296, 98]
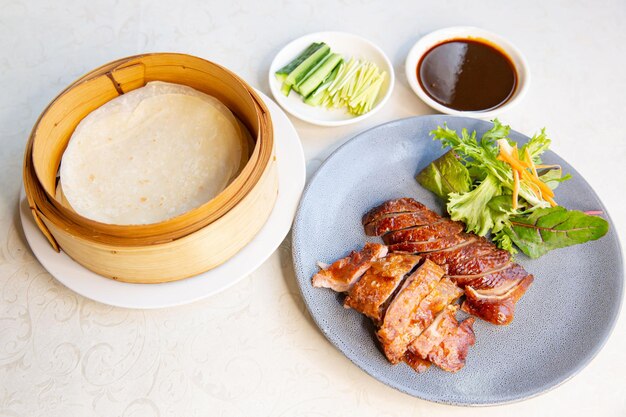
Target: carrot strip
[509, 160]
[515, 188]
[530, 162]
[525, 175]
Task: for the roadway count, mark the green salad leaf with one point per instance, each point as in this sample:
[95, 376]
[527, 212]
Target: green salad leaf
[537, 145]
[445, 175]
[551, 228]
[481, 156]
[553, 177]
[472, 207]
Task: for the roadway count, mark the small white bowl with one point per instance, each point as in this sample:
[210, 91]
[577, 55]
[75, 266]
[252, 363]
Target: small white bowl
[467, 32]
[345, 44]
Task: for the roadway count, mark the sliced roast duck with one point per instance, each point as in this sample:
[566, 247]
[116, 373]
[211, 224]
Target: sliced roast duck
[493, 283]
[409, 286]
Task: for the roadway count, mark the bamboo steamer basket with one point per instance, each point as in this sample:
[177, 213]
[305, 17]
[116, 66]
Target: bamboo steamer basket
[183, 246]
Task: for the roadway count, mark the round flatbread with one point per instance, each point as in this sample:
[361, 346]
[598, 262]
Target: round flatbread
[150, 155]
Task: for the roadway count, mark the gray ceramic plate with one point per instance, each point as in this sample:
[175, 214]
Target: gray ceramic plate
[560, 324]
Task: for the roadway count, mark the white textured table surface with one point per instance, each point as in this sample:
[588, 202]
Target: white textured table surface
[253, 350]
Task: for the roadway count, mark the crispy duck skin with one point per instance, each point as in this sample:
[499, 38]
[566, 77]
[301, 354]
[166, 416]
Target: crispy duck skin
[443, 325]
[450, 354]
[510, 272]
[342, 274]
[398, 318]
[370, 293]
[446, 242]
[475, 257]
[400, 205]
[438, 229]
[393, 222]
[495, 305]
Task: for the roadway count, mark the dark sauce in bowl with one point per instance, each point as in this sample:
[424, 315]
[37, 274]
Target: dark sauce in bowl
[467, 75]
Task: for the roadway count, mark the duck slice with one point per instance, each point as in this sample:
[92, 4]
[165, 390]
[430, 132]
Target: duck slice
[400, 205]
[398, 319]
[447, 242]
[491, 279]
[450, 354]
[496, 305]
[439, 229]
[369, 294]
[472, 257]
[343, 273]
[397, 221]
[441, 327]
[395, 344]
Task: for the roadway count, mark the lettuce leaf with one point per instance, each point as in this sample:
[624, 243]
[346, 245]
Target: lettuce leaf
[445, 175]
[537, 145]
[551, 228]
[553, 177]
[472, 207]
[478, 156]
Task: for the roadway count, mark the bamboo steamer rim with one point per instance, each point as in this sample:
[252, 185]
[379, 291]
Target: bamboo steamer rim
[43, 201]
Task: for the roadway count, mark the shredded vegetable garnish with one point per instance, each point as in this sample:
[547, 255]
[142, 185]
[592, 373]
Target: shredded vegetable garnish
[524, 170]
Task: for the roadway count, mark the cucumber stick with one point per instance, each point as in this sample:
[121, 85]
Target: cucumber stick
[302, 70]
[285, 89]
[318, 76]
[282, 73]
[280, 77]
[320, 93]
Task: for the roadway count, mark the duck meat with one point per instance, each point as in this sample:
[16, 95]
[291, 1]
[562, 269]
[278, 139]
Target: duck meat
[474, 263]
[443, 324]
[445, 343]
[418, 364]
[398, 221]
[475, 256]
[428, 232]
[369, 295]
[444, 293]
[450, 354]
[343, 273]
[391, 207]
[496, 305]
[446, 242]
[394, 333]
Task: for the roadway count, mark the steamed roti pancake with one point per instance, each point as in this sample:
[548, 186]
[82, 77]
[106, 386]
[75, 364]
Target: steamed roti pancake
[151, 154]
